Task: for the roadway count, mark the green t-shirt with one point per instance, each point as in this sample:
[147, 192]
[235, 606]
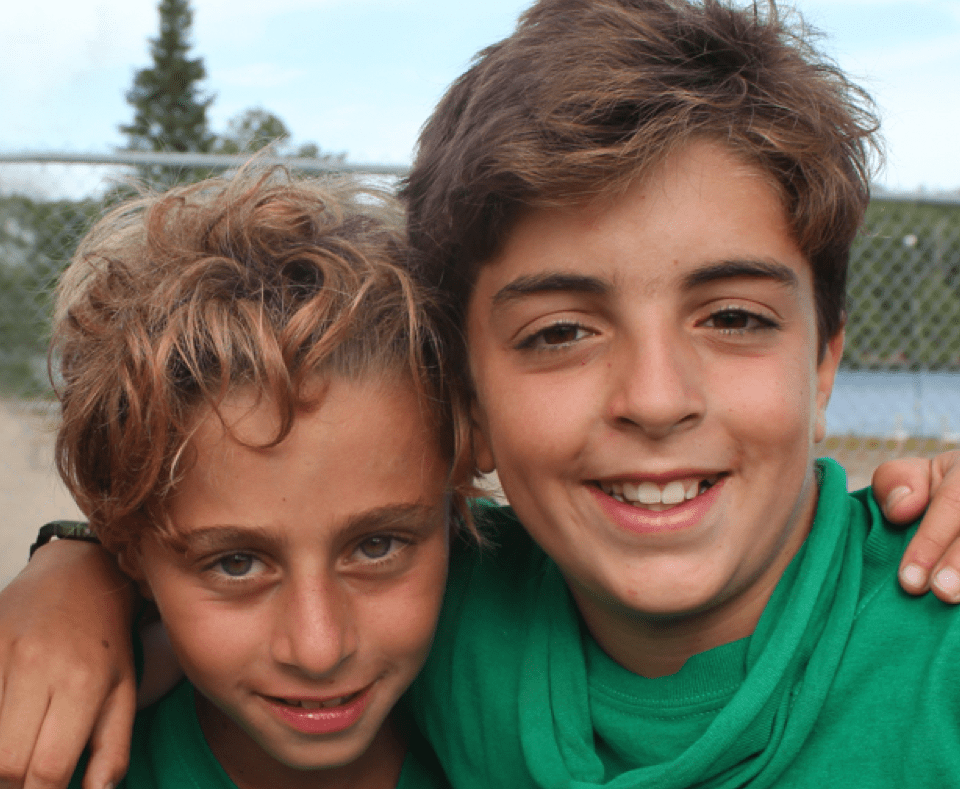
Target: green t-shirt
[169, 752]
[846, 680]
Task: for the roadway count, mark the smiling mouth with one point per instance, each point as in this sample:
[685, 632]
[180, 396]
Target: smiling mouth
[318, 704]
[652, 496]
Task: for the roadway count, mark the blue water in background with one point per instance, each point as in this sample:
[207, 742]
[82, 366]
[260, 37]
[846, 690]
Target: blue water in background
[895, 404]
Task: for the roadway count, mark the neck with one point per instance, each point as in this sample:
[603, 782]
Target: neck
[250, 767]
[658, 646]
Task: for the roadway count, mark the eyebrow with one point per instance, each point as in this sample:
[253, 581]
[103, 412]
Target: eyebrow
[410, 517]
[739, 269]
[208, 539]
[534, 284]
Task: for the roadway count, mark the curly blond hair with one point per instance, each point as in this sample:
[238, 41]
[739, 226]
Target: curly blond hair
[262, 280]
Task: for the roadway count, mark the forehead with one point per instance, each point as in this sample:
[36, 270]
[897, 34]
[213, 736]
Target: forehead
[368, 444]
[704, 204]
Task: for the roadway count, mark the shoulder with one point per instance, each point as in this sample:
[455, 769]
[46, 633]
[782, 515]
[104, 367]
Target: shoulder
[421, 768]
[508, 554]
[140, 772]
[879, 544]
[465, 698]
[168, 748]
[895, 691]
[886, 616]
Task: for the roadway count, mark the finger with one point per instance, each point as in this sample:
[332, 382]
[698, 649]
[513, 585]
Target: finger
[110, 743]
[66, 728]
[945, 577]
[60, 744]
[22, 710]
[934, 550]
[902, 488]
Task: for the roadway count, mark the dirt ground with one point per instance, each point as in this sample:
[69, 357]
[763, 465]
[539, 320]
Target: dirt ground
[31, 493]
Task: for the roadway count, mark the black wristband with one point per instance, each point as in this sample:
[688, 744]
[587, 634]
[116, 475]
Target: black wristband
[63, 530]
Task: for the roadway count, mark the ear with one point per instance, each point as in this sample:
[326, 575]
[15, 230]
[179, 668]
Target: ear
[826, 373]
[482, 454]
[130, 560]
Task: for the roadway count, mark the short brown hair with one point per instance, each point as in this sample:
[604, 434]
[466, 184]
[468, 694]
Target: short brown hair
[173, 300]
[587, 96]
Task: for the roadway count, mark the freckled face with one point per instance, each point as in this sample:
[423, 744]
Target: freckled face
[649, 391]
[306, 599]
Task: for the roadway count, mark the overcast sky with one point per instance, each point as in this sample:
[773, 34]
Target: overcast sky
[361, 76]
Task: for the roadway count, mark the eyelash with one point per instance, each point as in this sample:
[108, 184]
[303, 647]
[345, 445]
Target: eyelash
[763, 322]
[537, 340]
[217, 565]
[396, 545]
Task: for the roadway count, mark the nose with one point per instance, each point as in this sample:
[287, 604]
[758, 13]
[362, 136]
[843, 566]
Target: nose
[656, 386]
[314, 631]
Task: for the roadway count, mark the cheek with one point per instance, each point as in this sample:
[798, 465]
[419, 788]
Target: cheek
[401, 623]
[211, 640]
[772, 401]
[535, 421]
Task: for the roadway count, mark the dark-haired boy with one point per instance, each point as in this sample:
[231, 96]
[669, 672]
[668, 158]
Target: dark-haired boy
[644, 210]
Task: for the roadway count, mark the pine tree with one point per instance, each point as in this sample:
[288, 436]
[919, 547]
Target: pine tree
[170, 109]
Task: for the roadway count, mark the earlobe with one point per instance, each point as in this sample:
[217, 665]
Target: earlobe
[826, 374]
[820, 426]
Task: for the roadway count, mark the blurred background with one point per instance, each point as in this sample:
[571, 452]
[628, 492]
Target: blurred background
[98, 91]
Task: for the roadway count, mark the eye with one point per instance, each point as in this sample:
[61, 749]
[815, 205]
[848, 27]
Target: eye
[735, 321]
[378, 547]
[236, 565]
[556, 336]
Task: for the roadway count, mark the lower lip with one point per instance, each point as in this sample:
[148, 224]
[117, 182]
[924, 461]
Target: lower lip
[644, 521]
[323, 720]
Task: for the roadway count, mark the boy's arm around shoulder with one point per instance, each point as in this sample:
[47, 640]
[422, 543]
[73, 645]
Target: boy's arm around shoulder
[66, 668]
[904, 487]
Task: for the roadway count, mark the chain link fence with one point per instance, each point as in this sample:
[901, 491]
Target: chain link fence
[898, 392]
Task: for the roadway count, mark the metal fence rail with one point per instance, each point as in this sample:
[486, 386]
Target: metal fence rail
[203, 161]
[899, 386]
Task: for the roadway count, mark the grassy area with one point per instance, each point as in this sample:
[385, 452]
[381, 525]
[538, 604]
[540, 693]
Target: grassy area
[892, 447]
[860, 455]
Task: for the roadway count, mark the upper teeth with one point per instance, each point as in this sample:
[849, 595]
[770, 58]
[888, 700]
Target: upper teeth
[316, 705]
[649, 493]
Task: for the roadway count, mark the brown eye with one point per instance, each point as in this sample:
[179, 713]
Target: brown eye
[556, 336]
[236, 564]
[739, 321]
[731, 319]
[559, 335]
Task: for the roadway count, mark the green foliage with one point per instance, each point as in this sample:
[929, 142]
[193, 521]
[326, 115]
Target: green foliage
[255, 128]
[252, 130]
[170, 112]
